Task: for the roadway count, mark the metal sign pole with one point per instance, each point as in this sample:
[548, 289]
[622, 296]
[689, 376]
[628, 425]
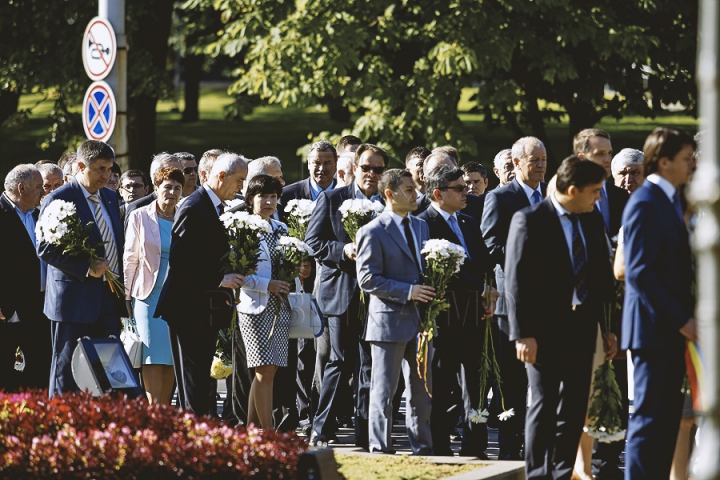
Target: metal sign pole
[114, 11]
[706, 190]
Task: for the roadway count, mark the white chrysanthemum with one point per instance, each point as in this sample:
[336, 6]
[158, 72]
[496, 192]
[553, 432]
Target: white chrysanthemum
[52, 225]
[245, 221]
[300, 207]
[477, 416]
[293, 244]
[444, 251]
[506, 414]
[361, 206]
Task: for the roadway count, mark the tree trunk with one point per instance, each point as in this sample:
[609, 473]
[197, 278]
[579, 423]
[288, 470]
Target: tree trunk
[582, 116]
[9, 102]
[193, 71]
[141, 131]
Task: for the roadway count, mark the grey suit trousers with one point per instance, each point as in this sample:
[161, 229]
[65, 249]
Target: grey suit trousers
[388, 360]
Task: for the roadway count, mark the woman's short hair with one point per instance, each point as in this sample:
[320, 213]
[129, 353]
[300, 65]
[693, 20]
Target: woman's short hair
[262, 185]
[168, 173]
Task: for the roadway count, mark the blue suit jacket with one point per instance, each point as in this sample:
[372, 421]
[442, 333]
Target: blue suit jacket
[327, 237]
[71, 295]
[386, 270]
[658, 272]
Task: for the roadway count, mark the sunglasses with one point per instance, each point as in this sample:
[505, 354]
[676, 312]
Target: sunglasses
[189, 170]
[375, 170]
[457, 188]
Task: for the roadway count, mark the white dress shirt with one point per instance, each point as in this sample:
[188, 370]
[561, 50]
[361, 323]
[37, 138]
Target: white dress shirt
[529, 191]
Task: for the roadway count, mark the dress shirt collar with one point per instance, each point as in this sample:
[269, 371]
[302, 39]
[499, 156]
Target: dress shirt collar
[213, 197]
[316, 190]
[528, 191]
[559, 208]
[664, 185]
[361, 195]
[17, 209]
[398, 220]
[442, 212]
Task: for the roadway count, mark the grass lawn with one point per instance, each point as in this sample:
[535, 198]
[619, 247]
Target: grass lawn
[271, 130]
[396, 467]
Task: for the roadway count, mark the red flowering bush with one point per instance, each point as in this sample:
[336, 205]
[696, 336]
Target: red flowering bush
[110, 437]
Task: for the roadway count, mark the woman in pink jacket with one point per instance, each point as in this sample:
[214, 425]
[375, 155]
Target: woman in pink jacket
[145, 262]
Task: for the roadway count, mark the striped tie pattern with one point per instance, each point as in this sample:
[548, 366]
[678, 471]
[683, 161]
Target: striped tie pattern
[108, 240]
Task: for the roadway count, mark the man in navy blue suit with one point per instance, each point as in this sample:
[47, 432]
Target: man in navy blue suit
[78, 299]
[659, 304]
[338, 295]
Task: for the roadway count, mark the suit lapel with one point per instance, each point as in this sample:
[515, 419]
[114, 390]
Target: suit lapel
[444, 230]
[114, 219]
[468, 234]
[307, 189]
[555, 234]
[663, 200]
[394, 232]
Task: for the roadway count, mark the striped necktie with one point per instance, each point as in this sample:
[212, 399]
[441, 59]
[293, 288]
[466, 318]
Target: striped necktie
[579, 258]
[107, 236]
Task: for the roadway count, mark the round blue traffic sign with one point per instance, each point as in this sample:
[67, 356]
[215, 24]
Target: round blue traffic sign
[99, 111]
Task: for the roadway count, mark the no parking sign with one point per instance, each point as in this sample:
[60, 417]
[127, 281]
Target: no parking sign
[99, 111]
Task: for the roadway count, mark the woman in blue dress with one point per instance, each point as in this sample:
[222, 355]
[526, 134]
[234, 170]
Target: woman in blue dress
[145, 263]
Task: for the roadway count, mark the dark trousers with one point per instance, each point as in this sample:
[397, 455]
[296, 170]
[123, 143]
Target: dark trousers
[559, 386]
[242, 378]
[304, 378]
[347, 357]
[361, 384]
[193, 350]
[511, 432]
[285, 412]
[653, 427]
[457, 346]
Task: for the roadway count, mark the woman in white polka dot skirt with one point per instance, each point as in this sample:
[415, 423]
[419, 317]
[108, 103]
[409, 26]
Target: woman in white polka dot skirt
[263, 312]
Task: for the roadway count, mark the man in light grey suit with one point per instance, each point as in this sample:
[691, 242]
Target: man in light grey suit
[389, 268]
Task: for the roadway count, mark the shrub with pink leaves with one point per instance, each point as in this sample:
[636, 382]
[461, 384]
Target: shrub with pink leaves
[110, 437]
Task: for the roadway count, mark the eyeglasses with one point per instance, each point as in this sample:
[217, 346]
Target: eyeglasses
[189, 170]
[132, 186]
[375, 170]
[457, 188]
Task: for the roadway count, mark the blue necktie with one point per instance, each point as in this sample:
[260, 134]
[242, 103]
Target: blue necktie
[536, 197]
[579, 258]
[678, 206]
[605, 208]
[456, 229]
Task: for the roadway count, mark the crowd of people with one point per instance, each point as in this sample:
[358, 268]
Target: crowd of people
[539, 266]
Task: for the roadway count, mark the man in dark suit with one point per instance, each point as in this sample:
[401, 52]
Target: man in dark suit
[197, 251]
[161, 160]
[322, 165]
[557, 281]
[594, 145]
[389, 269]
[78, 300]
[21, 297]
[339, 296]
[525, 189]
[474, 203]
[462, 328]
[659, 302]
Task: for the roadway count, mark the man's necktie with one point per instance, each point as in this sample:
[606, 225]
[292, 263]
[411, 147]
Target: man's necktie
[605, 208]
[678, 206]
[221, 208]
[110, 249]
[579, 258]
[411, 241]
[536, 197]
[456, 229]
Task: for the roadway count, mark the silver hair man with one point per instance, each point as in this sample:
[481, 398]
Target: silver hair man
[23, 173]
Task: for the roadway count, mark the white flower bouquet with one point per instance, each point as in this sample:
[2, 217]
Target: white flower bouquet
[243, 231]
[357, 212]
[60, 225]
[442, 261]
[299, 212]
[606, 407]
[294, 252]
[489, 368]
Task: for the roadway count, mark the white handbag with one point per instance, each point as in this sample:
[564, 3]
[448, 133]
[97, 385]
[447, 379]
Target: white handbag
[132, 343]
[306, 319]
